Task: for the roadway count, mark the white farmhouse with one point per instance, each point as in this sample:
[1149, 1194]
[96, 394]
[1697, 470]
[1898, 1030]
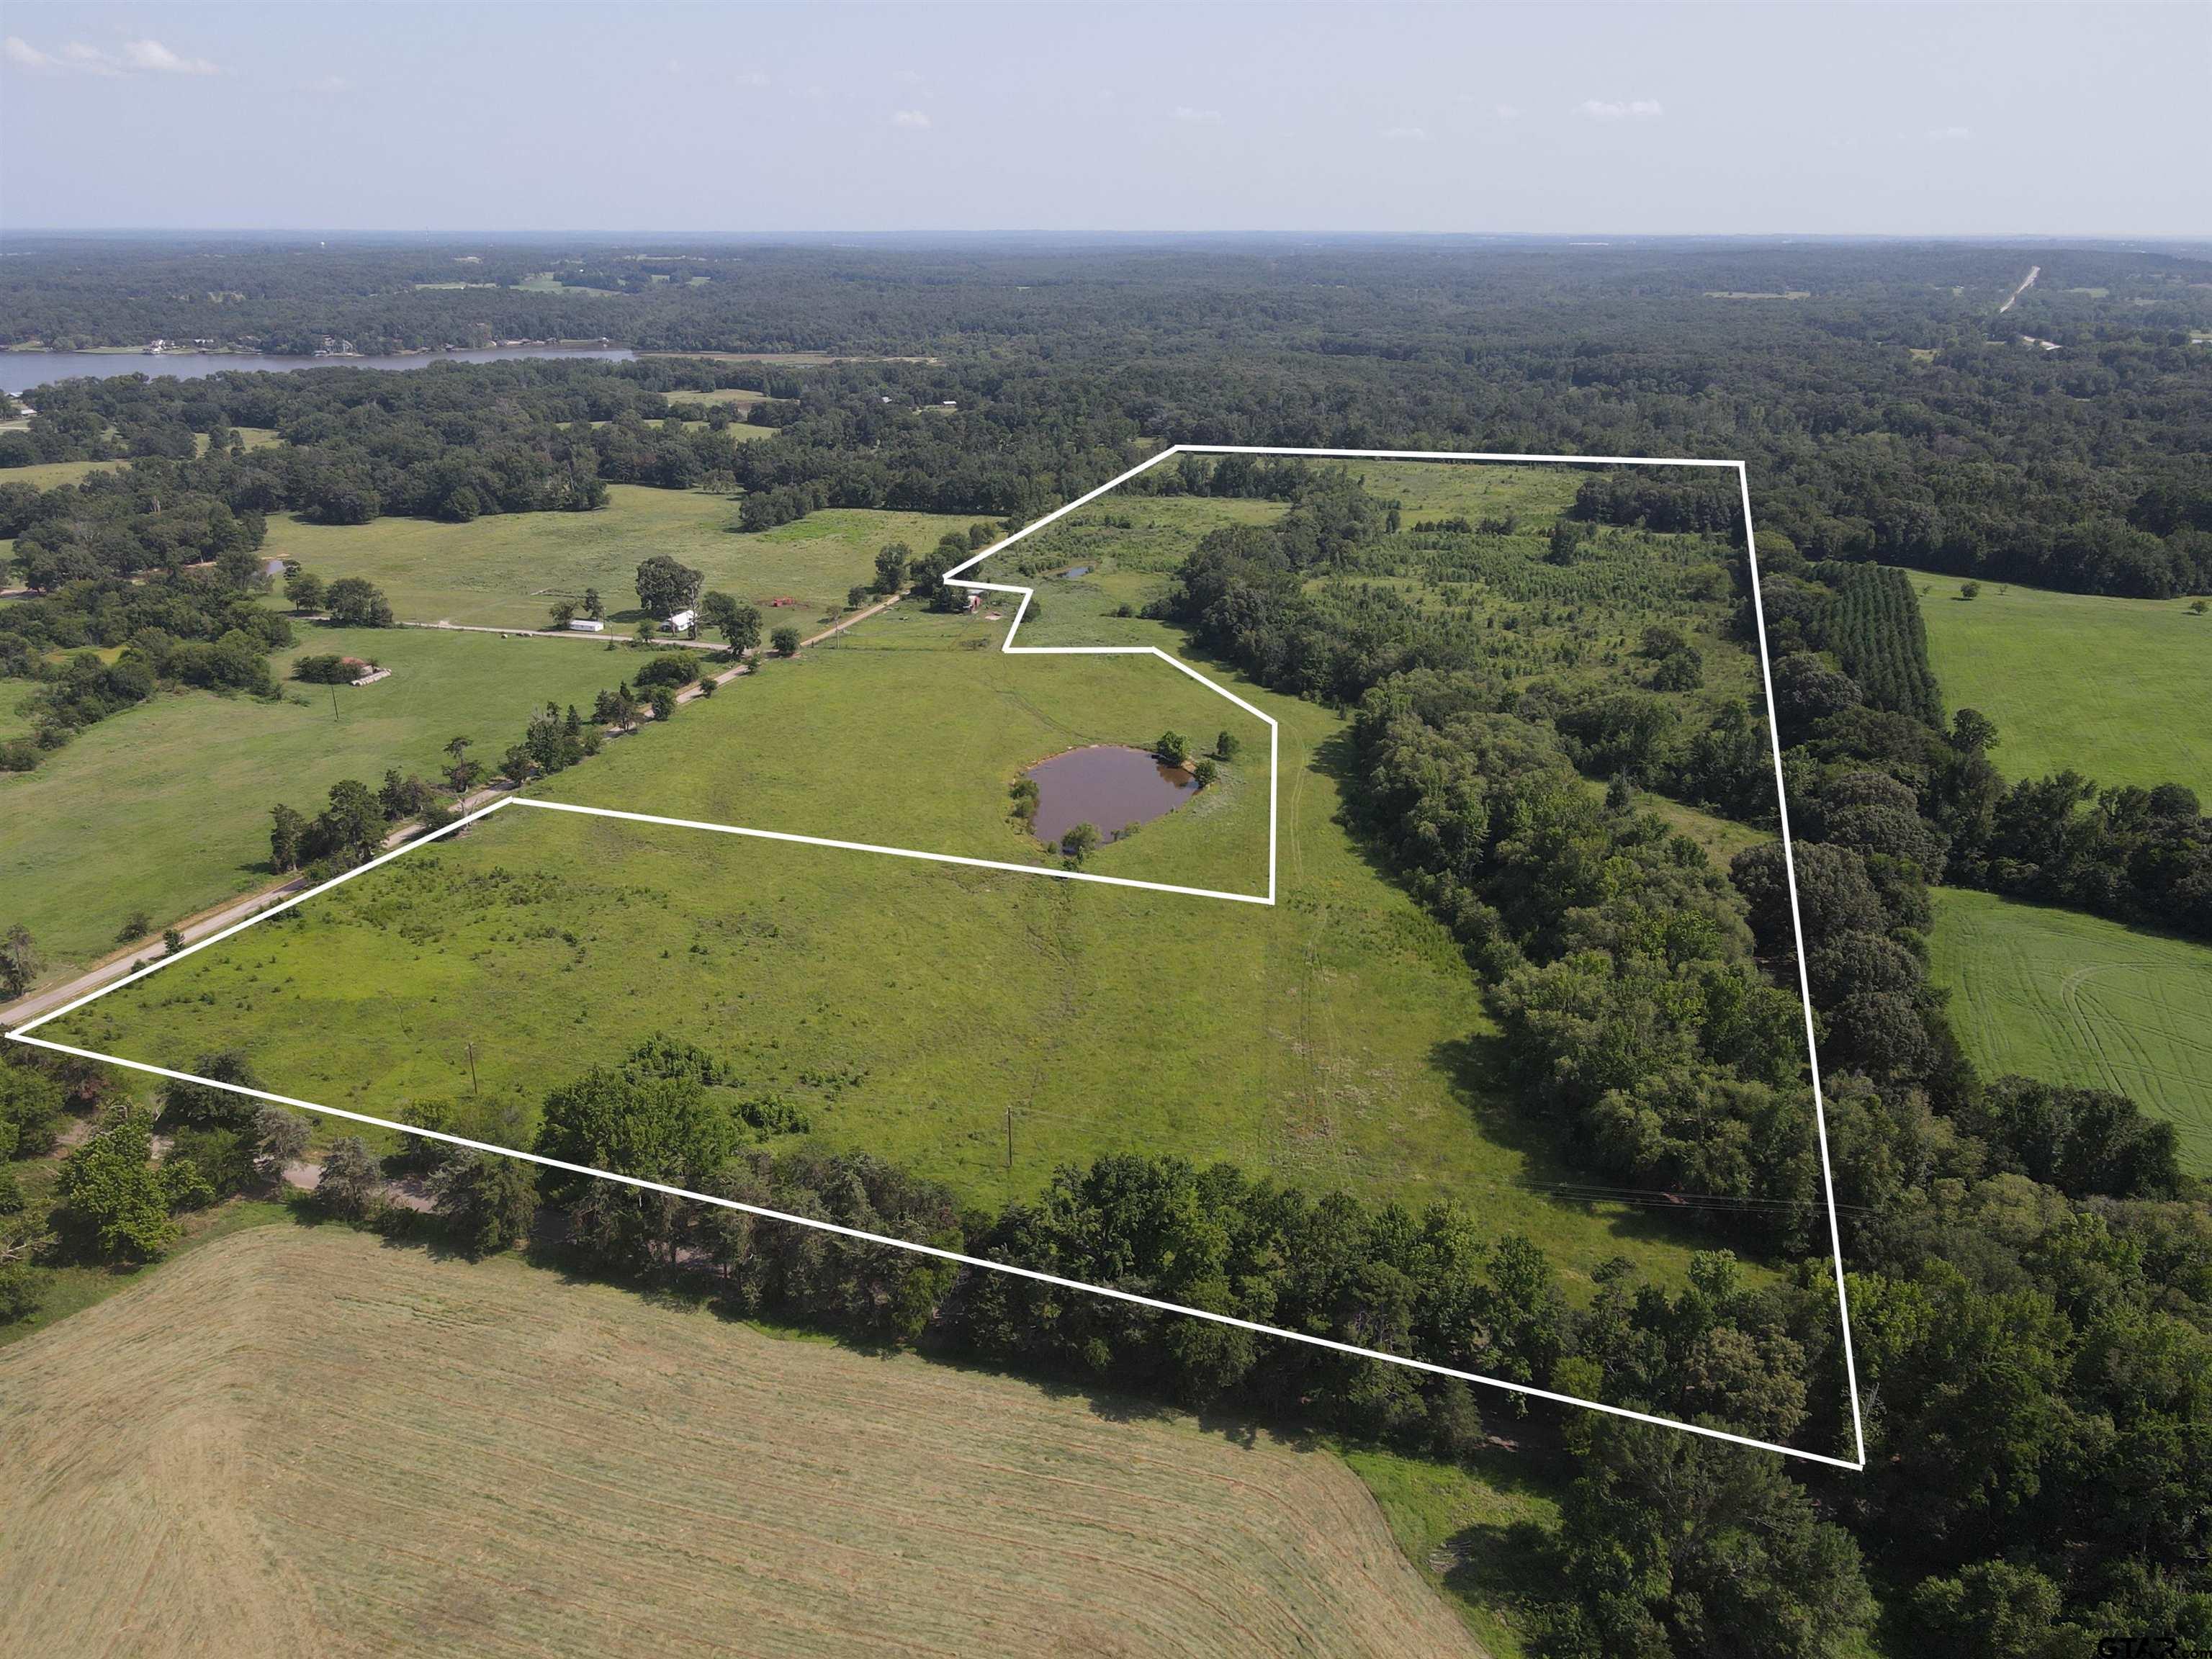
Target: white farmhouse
[681, 623]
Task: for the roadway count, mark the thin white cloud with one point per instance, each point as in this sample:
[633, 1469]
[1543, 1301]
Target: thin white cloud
[1198, 117]
[152, 55]
[22, 53]
[907, 77]
[325, 83]
[1636, 109]
[1508, 112]
[75, 57]
[89, 60]
[909, 118]
[748, 78]
[1405, 135]
[1950, 135]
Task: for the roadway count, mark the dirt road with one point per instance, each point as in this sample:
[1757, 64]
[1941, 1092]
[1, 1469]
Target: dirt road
[2026, 283]
[231, 912]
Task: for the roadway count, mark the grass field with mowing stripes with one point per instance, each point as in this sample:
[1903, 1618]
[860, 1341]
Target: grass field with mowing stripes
[296, 1442]
[2077, 999]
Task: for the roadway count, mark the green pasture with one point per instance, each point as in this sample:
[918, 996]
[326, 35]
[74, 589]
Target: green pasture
[51, 475]
[1125, 530]
[728, 394]
[164, 808]
[909, 730]
[1473, 489]
[508, 570]
[917, 1010]
[2117, 689]
[2076, 1000]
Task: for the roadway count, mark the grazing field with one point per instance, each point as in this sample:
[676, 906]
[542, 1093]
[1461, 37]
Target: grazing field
[920, 1011]
[164, 808]
[48, 475]
[2115, 688]
[2076, 1000]
[296, 1442]
[507, 571]
[728, 394]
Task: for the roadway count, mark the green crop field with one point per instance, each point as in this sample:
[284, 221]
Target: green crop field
[296, 1442]
[2115, 688]
[164, 808]
[507, 571]
[1335, 1040]
[2076, 1000]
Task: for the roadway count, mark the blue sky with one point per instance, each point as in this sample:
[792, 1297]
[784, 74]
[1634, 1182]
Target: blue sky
[1558, 119]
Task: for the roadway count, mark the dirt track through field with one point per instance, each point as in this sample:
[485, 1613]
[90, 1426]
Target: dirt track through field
[292, 1442]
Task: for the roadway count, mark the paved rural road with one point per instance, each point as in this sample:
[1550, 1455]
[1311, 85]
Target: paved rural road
[2027, 282]
[197, 928]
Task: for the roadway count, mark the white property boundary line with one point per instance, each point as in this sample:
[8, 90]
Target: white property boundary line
[1856, 1463]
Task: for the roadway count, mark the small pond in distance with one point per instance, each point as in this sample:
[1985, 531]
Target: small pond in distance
[1108, 786]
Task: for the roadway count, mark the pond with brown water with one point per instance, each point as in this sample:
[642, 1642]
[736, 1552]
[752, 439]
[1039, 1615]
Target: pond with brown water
[1106, 786]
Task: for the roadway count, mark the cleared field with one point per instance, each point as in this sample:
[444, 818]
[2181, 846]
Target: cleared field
[2076, 1000]
[728, 394]
[1333, 1040]
[507, 571]
[2115, 688]
[164, 808]
[294, 1442]
[46, 474]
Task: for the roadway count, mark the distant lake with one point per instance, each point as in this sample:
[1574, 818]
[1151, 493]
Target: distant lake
[21, 370]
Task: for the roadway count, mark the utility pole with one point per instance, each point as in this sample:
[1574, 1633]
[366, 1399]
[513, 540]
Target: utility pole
[1010, 1140]
[334, 702]
[472, 1068]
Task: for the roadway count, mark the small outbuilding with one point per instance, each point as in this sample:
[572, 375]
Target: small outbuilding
[681, 623]
[586, 625]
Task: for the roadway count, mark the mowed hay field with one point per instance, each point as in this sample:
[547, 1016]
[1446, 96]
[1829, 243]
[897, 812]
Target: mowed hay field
[2116, 689]
[507, 571]
[164, 807]
[295, 1443]
[1335, 1040]
[2076, 1000]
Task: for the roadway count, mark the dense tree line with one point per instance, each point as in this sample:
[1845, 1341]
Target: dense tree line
[1618, 964]
[1921, 799]
[122, 522]
[2034, 1241]
[450, 442]
[200, 628]
[2080, 469]
[2031, 1273]
[2135, 854]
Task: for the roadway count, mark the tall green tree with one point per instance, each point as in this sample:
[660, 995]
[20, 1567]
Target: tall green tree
[665, 587]
[114, 1203]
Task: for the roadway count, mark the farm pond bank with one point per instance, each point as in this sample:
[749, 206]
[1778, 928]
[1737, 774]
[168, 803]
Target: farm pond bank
[1107, 786]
